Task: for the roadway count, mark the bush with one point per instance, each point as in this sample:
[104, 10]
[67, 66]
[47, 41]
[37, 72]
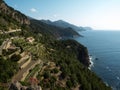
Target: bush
[55, 71]
[7, 70]
[15, 57]
[46, 75]
[69, 84]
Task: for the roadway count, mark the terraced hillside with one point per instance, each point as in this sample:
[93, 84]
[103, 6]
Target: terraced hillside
[33, 58]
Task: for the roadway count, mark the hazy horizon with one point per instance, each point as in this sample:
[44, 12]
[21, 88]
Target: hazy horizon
[98, 14]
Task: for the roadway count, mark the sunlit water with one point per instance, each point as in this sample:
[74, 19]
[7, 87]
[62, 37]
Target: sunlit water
[105, 46]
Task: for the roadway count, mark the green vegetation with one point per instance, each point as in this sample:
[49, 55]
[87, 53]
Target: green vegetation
[15, 57]
[3, 88]
[7, 69]
[66, 56]
[52, 31]
[12, 23]
[65, 62]
[11, 19]
[55, 71]
[32, 72]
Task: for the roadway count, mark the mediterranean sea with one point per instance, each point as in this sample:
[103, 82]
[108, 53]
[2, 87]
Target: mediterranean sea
[104, 47]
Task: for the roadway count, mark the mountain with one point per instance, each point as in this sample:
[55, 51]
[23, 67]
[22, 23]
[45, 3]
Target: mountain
[10, 18]
[56, 31]
[87, 28]
[34, 59]
[64, 24]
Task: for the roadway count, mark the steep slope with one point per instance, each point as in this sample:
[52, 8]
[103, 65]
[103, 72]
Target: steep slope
[37, 60]
[58, 32]
[10, 18]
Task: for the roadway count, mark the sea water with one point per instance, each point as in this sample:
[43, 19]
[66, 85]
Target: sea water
[104, 47]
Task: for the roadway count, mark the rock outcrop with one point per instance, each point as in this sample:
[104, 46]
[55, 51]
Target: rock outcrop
[16, 15]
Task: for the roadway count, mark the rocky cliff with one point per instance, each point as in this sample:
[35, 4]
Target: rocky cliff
[10, 18]
[18, 16]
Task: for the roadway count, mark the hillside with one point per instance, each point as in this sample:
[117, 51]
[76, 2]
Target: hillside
[15, 19]
[32, 57]
[11, 20]
[64, 24]
[57, 32]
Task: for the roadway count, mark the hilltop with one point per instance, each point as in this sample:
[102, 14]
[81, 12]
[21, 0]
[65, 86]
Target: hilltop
[64, 24]
[58, 32]
[10, 18]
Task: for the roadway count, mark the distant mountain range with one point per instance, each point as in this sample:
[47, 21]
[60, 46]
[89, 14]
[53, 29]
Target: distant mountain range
[64, 24]
[58, 32]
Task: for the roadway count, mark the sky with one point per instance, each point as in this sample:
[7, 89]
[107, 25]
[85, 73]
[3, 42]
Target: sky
[98, 14]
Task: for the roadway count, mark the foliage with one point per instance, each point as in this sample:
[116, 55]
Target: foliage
[46, 75]
[7, 69]
[11, 19]
[15, 57]
[55, 70]
[52, 31]
[67, 56]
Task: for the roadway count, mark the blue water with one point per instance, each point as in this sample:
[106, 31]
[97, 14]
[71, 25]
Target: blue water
[104, 45]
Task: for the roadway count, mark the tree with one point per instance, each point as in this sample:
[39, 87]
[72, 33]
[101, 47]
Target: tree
[69, 84]
[15, 57]
[46, 74]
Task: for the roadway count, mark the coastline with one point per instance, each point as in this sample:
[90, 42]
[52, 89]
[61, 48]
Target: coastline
[91, 62]
[92, 65]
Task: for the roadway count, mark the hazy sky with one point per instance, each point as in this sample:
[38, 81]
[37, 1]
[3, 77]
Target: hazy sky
[98, 14]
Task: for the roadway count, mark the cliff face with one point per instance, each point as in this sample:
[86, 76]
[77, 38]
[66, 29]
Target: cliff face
[10, 18]
[5, 9]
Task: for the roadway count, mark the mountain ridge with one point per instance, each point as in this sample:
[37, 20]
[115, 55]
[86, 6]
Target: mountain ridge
[18, 16]
[58, 32]
[10, 18]
[65, 24]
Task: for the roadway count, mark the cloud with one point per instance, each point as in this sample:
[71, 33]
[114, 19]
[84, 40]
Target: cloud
[33, 10]
[55, 15]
